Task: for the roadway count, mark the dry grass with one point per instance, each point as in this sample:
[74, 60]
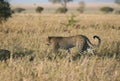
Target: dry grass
[27, 32]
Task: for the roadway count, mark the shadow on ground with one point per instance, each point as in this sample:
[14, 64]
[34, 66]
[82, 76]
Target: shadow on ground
[6, 54]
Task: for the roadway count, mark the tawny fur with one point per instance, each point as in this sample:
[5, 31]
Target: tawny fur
[81, 42]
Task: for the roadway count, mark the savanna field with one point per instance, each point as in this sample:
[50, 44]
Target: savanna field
[24, 35]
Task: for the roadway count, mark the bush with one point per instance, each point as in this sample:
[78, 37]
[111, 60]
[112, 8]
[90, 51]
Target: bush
[71, 21]
[19, 10]
[80, 10]
[117, 2]
[117, 12]
[81, 7]
[5, 10]
[107, 9]
[39, 9]
[61, 10]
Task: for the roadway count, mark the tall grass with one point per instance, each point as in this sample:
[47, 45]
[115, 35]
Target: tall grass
[26, 34]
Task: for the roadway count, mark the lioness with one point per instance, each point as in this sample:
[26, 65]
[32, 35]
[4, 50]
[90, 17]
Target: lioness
[80, 41]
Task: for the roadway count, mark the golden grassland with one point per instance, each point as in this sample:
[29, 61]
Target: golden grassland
[26, 34]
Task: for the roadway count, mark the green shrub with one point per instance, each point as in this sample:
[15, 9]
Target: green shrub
[5, 10]
[80, 10]
[39, 9]
[117, 2]
[107, 9]
[81, 7]
[19, 10]
[71, 20]
[117, 12]
[61, 10]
